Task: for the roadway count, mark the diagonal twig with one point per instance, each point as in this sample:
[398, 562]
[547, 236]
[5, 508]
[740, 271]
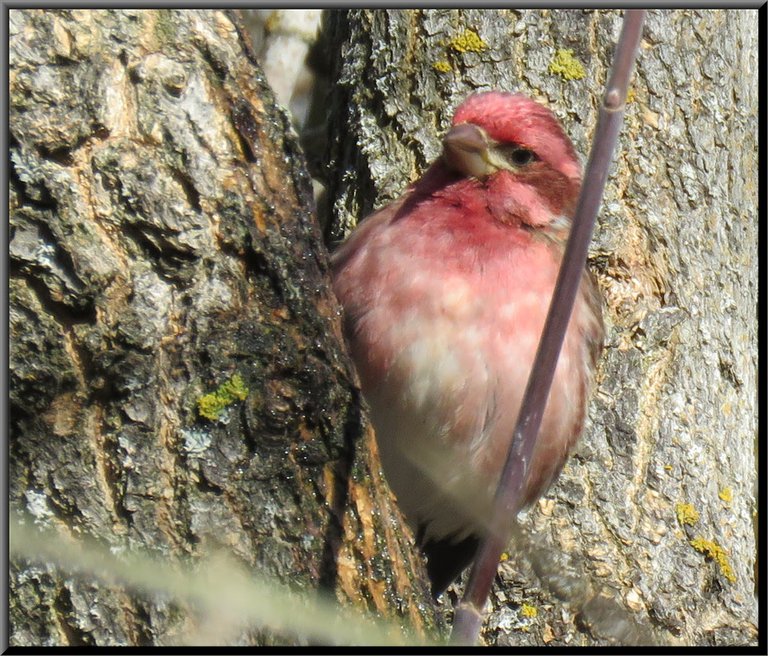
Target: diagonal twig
[468, 616]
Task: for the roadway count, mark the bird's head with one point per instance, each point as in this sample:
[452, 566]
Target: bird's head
[517, 149]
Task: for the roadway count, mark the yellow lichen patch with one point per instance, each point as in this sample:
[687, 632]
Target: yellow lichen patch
[566, 65]
[726, 494]
[715, 552]
[526, 610]
[212, 405]
[504, 556]
[442, 66]
[687, 515]
[468, 41]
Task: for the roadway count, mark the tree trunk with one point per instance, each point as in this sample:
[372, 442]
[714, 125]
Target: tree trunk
[656, 509]
[178, 381]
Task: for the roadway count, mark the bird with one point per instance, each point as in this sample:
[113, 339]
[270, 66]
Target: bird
[444, 294]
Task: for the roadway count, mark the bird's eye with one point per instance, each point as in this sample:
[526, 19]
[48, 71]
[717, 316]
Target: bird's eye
[518, 156]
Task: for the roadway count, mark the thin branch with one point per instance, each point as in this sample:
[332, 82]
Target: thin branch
[468, 619]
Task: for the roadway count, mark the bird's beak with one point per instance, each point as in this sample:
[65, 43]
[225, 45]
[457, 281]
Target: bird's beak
[466, 151]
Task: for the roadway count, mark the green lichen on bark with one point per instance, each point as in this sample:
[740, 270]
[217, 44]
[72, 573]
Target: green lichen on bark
[468, 41]
[687, 515]
[566, 65]
[715, 552]
[213, 404]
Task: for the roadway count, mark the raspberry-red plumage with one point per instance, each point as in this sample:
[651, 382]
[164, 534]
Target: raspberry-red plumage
[444, 294]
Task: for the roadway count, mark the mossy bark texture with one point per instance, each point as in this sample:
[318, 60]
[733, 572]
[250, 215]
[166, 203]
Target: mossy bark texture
[674, 416]
[164, 253]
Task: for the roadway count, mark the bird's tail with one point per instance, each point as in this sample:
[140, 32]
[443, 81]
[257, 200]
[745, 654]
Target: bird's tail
[447, 559]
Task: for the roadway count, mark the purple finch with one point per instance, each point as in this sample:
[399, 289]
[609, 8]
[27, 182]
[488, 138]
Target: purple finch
[444, 293]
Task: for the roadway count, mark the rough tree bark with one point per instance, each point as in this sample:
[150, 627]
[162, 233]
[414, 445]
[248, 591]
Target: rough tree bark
[177, 376]
[657, 506]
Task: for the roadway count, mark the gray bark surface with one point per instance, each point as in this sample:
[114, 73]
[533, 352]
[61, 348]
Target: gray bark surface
[162, 242]
[655, 512]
